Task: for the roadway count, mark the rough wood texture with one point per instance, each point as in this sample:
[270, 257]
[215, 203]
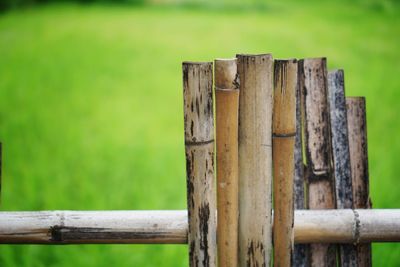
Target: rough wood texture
[255, 159]
[171, 226]
[313, 78]
[227, 108]
[283, 143]
[301, 253]
[199, 146]
[357, 126]
[341, 156]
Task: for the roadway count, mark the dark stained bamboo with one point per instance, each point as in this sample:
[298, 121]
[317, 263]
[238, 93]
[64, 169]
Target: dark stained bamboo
[313, 81]
[301, 252]
[357, 126]
[255, 159]
[341, 156]
[283, 144]
[199, 147]
[227, 107]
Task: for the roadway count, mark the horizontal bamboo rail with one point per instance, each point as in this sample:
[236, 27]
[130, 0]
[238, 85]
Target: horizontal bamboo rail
[170, 227]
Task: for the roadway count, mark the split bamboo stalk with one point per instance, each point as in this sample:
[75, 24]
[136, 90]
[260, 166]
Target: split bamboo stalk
[357, 126]
[318, 149]
[341, 156]
[199, 147]
[255, 159]
[227, 108]
[283, 143]
[171, 226]
[301, 253]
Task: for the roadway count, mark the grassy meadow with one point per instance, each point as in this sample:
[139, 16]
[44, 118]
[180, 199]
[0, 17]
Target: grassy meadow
[91, 111]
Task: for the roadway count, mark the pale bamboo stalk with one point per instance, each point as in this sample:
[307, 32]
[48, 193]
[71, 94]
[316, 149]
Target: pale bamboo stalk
[301, 253]
[341, 156]
[227, 107]
[313, 78]
[199, 147]
[171, 226]
[357, 126]
[283, 143]
[255, 159]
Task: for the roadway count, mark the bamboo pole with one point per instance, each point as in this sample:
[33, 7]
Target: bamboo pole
[199, 147]
[301, 253]
[227, 107]
[318, 149]
[255, 159]
[357, 126]
[171, 226]
[341, 156]
[283, 143]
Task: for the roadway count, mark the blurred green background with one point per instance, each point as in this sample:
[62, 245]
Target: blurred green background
[91, 102]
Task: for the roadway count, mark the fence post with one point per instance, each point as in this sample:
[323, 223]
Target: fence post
[255, 159]
[199, 148]
[301, 253]
[227, 107]
[318, 149]
[283, 143]
[357, 126]
[341, 155]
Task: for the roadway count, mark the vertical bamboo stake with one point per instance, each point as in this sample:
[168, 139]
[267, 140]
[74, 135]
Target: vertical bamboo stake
[283, 143]
[301, 255]
[341, 156]
[227, 108]
[199, 146]
[255, 159]
[318, 149]
[357, 125]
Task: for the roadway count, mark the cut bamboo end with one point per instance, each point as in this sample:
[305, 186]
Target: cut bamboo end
[227, 107]
[357, 126]
[226, 74]
[199, 148]
[255, 159]
[313, 81]
[341, 155]
[284, 134]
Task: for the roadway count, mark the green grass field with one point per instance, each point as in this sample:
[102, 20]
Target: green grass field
[91, 105]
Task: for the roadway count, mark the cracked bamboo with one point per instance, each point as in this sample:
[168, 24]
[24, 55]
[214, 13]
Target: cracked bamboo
[318, 149]
[301, 252]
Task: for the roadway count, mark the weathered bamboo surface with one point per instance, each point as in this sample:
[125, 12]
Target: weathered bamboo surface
[357, 122]
[341, 155]
[283, 144]
[94, 227]
[199, 148]
[321, 191]
[301, 253]
[255, 159]
[171, 227]
[227, 107]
